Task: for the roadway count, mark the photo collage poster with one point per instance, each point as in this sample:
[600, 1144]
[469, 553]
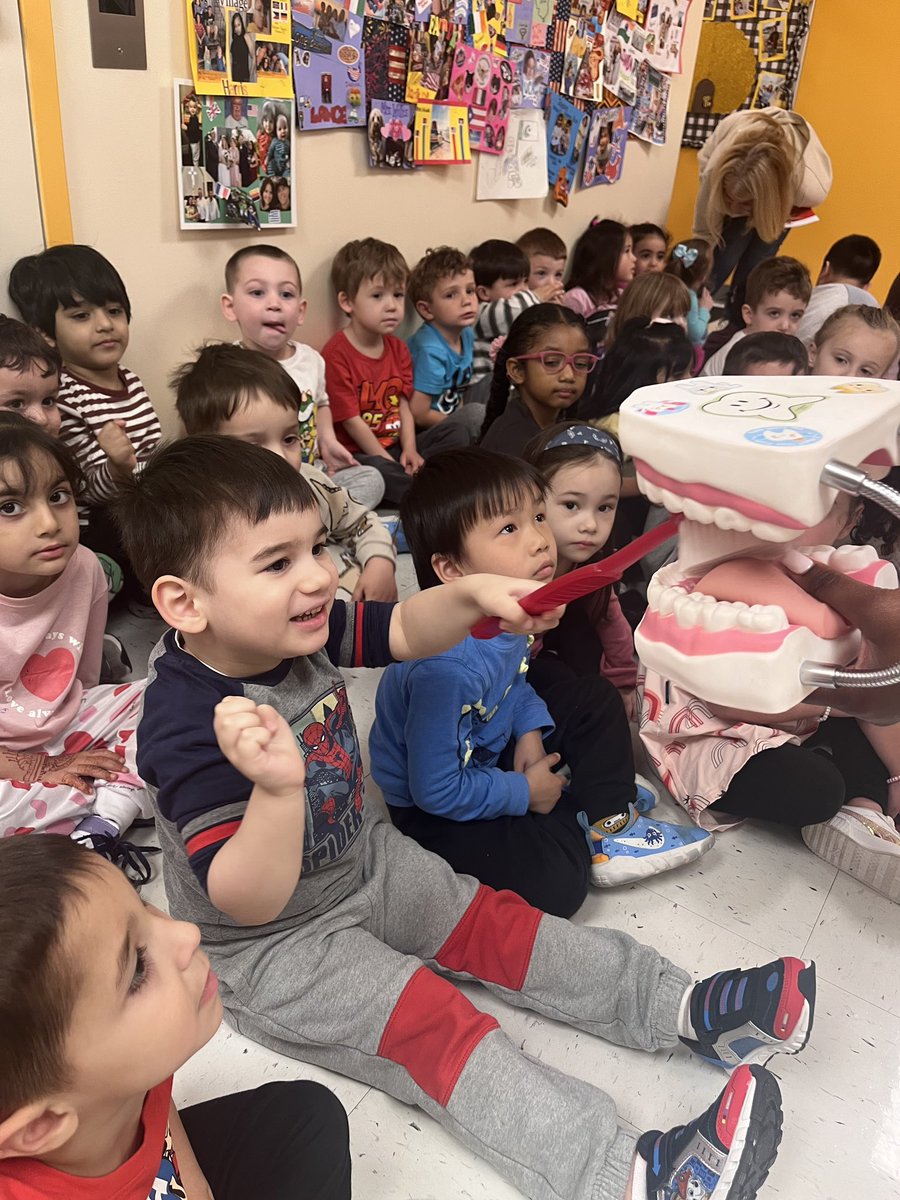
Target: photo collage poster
[566, 130]
[236, 165]
[329, 83]
[483, 83]
[240, 47]
[607, 141]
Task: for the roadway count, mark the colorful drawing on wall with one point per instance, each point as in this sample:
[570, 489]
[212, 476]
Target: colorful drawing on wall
[488, 20]
[329, 85]
[240, 48]
[441, 135]
[528, 22]
[665, 34]
[566, 130]
[650, 119]
[391, 128]
[236, 163]
[483, 83]
[531, 76]
[772, 39]
[520, 172]
[624, 51]
[606, 144]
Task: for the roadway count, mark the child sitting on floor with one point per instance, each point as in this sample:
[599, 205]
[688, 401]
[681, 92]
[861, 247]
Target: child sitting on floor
[29, 375]
[328, 928]
[602, 267]
[858, 341]
[540, 372]
[654, 295]
[691, 261]
[246, 395]
[67, 744]
[778, 292]
[464, 748]
[847, 271]
[102, 998]
[767, 353]
[650, 243]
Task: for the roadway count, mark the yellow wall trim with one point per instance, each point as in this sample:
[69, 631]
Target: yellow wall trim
[46, 123]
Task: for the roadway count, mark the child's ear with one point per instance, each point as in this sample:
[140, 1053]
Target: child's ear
[812, 350]
[515, 372]
[301, 315]
[482, 293]
[36, 1130]
[180, 604]
[228, 307]
[345, 304]
[445, 568]
[747, 313]
[423, 308]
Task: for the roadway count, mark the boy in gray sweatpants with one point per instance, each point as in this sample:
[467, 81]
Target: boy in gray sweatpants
[335, 937]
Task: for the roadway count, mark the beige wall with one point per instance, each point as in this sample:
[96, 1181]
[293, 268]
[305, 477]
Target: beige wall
[22, 231]
[118, 128]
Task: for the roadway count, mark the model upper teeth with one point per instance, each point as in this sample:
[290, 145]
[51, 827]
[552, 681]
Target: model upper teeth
[670, 594]
[720, 516]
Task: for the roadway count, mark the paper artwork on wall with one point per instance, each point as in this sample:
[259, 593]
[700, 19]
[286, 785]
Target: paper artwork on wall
[431, 49]
[528, 22]
[624, 52]
[241, 48]
[483, 83]
[391, 131]
[607, 141]
[520, 172]
[441, 135]
[666, 23]
[650, 118]
[566, 130]
[236, 166]
[531, 76]
[329, 86]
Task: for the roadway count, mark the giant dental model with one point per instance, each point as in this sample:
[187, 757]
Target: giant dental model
[744, 461]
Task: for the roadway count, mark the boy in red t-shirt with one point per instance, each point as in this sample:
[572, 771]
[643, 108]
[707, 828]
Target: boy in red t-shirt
[368, 371]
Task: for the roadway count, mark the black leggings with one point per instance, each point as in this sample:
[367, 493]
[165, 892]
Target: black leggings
[282, 1141]
[805, 785]
[544, 857]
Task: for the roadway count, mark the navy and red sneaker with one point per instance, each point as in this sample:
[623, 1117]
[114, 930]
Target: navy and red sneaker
[726, 1153]
[747, 1016]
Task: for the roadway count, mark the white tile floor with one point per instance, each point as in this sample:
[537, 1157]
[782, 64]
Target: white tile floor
[758, 894]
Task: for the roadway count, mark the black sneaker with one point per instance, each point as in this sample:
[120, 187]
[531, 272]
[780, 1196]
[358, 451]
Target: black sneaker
[747, 1016]
[727, 1152]
[102, 836]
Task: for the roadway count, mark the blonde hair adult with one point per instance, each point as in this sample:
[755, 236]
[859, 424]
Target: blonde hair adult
[652, 295]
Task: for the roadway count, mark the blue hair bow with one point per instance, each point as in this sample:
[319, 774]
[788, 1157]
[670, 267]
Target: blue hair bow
[686, 254]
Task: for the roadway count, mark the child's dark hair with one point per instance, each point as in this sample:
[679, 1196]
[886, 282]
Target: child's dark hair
[222, 379]
[643, 352]
[21, 346]
[262, 250]
[435, 265]
[173, 515]
[25, 444]
[769, 347]
[523, 334]
[495, 260]
[595, 259]
[452, 493]
[779, 274]
[63, 277]
[876, 526]
[41, 878]
[855, 257]
[646, 229]
[691, 261]
[542, 241]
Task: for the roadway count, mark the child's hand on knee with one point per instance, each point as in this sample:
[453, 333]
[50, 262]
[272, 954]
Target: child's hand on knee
[257, 741]
[77, 770]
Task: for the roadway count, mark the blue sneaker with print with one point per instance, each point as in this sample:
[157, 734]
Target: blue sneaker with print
[394, 526]
[627, 847]
[746, 1016]
[727, 1152]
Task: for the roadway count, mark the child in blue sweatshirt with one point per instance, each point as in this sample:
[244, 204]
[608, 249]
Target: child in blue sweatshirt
[465, 750]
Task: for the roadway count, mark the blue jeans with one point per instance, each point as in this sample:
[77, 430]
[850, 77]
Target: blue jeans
[741, 250]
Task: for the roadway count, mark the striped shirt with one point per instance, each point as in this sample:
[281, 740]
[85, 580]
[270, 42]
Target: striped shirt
[85, 408]
[495, 320]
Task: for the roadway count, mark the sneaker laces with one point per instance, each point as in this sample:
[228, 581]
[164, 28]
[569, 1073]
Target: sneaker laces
[131, 859]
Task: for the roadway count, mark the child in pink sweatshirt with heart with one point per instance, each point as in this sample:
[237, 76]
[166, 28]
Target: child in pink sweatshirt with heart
[66, 744]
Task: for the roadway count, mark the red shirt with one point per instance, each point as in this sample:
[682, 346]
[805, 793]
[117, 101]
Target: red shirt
[150, 1174]
[371, 388]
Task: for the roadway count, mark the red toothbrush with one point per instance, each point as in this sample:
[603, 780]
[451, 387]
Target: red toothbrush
[586, 579]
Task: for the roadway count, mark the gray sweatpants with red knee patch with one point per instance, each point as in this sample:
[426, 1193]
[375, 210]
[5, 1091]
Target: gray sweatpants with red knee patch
[366, 990]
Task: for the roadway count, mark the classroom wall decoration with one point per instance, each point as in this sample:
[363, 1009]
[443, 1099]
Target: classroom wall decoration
[236, 166]
[240, 47]
[750, 56]
[525, 85]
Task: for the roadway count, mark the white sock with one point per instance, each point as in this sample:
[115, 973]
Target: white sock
[683, 1024]
[120, 807]
[638, 1180]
